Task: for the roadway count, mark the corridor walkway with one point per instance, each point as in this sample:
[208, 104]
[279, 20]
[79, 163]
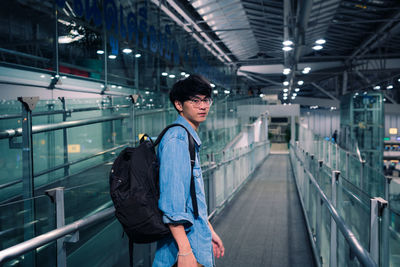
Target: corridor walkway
[264, 225]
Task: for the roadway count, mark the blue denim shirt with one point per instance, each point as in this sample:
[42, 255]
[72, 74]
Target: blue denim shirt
[175, 201]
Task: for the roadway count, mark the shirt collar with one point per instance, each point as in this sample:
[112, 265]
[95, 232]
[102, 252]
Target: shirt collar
[181, 120]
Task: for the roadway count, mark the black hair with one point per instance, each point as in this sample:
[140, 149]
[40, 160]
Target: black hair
[189, 87]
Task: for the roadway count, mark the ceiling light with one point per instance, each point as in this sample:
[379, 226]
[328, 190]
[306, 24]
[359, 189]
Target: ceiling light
[138, 55]
[287, 48]
[227, 92]
[215, 92]
[306, 70]
[113, 86]
[286, 71]
[63, 77]
[285, 83]
[287, 43]
[317, 47]
[187, 75]
[297, 89]
[389, 87]
[293, 97]
[285, 98]
[384, 100]
[171, 76]
[285, 90]
[164, 74]
[285, 94]
[261, 95]
[183, 73]
[294, 94]
[398, 80]
[300, 82]
[42, 76]
[377, 87]
[320, 41]
[100, 52]
[127, 50]
[112, 56]
[212, 85]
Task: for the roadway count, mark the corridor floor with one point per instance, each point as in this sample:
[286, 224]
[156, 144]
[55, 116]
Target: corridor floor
[264, 224]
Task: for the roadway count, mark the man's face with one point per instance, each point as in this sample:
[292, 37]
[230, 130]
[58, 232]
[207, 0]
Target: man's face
[195, 110]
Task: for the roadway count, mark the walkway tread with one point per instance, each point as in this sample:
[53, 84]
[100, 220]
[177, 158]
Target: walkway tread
[264, 224]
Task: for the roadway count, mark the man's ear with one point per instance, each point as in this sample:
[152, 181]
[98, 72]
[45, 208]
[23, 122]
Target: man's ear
[178, 105]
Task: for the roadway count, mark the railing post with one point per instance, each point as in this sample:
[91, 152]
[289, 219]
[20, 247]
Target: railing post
[28, 105]
[347, 165]
[132, 122]
[377, 207]
[362, 175]
[57, 197]
[65, 135]
[337, 156]
[385, 226]
[333, 245]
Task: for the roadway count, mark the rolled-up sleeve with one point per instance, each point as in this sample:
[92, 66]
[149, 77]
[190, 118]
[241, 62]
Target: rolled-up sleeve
[175, 182]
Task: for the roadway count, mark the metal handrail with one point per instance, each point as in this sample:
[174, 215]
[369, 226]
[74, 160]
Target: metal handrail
[55, 112]
[61, 125]
[66, 165]
[51, 236]
[361, 253]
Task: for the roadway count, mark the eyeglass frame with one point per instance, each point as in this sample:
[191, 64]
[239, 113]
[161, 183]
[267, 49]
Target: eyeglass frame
[207, 101]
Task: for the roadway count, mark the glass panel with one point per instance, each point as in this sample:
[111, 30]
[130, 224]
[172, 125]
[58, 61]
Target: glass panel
[345, 257]
[20, 222]
[394, 239]
[353, 206]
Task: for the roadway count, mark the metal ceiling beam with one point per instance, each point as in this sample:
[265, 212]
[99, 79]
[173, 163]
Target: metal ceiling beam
[371, 41]
[256, 75]
[324, 91]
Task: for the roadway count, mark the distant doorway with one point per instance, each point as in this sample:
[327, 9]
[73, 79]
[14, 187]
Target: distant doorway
[279, 134]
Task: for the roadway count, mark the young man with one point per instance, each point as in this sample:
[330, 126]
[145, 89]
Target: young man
[193, 242]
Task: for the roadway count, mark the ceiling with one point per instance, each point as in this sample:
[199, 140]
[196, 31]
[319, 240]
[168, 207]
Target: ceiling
[362, 49]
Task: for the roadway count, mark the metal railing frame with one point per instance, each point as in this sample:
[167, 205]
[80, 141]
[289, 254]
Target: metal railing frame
[377, 207]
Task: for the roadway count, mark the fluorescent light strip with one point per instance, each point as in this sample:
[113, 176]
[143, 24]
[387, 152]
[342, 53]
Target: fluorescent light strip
[205, 36]
[186, 28]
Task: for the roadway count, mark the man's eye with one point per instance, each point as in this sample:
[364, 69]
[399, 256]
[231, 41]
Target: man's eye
[196, 101]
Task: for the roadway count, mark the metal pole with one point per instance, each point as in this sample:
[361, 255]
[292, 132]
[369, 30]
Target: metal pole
[65, 137]
[385, 226]
[28, 104]
[347, 165]
[333, 244]
[377, 206]
[57, 196]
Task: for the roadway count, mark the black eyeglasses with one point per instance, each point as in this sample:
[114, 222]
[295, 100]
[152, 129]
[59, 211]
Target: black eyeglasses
[196, 102]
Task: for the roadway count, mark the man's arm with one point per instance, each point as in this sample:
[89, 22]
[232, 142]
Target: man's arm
[218, 246]
[185, 254]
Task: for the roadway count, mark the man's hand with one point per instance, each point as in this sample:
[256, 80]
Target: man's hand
[218, 246]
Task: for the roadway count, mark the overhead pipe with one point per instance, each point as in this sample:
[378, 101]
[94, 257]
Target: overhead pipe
[303, 15]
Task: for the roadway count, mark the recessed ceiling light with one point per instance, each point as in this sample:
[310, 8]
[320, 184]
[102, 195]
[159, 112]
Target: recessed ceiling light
[112, 56]
[300, 82]
[287, 48]
[100, 52]
[320, 41]
[287, 43]
[297, 89]
[286, 71]
[317, 47]
[285, 83]
[164, 74]
[127, 50]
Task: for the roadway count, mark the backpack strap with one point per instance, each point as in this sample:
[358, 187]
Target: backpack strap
[130, 251]
[192, 161]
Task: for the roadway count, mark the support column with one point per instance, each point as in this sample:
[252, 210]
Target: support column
[28, 187]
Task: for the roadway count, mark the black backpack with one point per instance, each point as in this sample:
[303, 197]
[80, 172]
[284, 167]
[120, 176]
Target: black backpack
[134, 189]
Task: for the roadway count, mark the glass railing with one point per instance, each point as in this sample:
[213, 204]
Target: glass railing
[79, 158]
[356, 187]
